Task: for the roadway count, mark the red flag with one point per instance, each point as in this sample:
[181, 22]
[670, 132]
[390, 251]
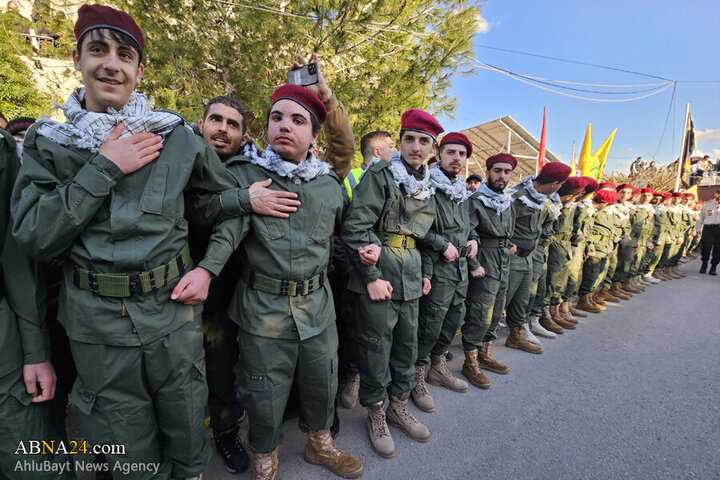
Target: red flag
[541, 153]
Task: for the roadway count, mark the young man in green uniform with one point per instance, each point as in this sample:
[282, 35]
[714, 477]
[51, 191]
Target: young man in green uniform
[602, 237]
[493, 218]
[530, 197]
[443, 308]
[649, 233]
[391, 212]
[283, 304]
[24, 349]
[107, 189]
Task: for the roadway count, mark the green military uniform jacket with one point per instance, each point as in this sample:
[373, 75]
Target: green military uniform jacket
[23, 337]
[643, 220]
[528, 224]
[78, 204]
[294, 248]
[603, 232]
[451, 225]
[492, 225]
[582, 225]
[563, 228]
[379, 206]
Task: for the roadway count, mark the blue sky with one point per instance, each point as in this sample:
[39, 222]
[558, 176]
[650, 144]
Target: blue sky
[678, 40]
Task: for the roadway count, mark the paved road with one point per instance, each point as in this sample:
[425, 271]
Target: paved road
[632, 393]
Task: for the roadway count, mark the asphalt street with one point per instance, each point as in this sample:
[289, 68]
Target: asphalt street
[634, 392]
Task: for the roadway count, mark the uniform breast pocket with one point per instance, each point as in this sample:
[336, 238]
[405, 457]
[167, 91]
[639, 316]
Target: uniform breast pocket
[324, 225]
[275, 227]
[154, 193]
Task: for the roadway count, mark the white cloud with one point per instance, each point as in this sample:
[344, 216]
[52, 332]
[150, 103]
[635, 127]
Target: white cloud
[716, 152]
[709, 135]
[483, 25]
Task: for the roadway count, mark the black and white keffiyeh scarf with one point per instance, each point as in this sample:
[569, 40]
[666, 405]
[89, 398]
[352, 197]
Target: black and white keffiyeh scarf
[414, 188]
[532, 197]
[307, 170]
[457, 191]
[493, 200]
[89, 130]
[555, 205]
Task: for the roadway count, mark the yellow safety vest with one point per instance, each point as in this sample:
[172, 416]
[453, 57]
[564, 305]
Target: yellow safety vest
[352, 179]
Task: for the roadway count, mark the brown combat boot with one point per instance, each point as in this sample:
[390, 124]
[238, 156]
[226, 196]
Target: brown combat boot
[629, 287]
[607, 296]
[517, 340]
[265, 465]
[439, 375]
[577, 312]
[557, 318]
[420, 394]
[564, 310]
[321, 450]
[637, 283]
[676, 270]
[669, 273]
[600, 306]
[398, 416]
[486, 361]
[585, 304]
[379, 432]
[471, 369]
[617, 290]
[660, 276]
[599, 297]
[547, 323]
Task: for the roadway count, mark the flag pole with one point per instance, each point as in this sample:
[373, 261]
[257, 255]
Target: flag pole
[681, 161]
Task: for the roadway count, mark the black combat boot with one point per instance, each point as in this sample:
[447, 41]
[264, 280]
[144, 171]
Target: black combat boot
[712, 270]
[231, 450]
[703, 267]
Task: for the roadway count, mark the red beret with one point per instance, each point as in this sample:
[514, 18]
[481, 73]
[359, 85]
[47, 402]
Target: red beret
[591, 184]
[555, 172]
[572, 185]
[691, 195]
[606, 196]
[460, 139]
[423, 122]
[18, 124]
[501, 158]
[677, 194]
[666, 195]
[624, 185]
[303, 97]
[647, 190]
[95, 16]
[606, 185]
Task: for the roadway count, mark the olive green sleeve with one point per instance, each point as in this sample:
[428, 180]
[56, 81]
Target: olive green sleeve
[339, 138]
[49, 213]
[474, 219]
[360, 218]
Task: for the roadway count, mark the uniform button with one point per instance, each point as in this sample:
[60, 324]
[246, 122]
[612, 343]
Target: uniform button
[134, 330]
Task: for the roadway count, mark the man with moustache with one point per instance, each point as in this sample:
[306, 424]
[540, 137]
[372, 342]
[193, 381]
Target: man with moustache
[443, 307]
[492, 214]
[391, 212]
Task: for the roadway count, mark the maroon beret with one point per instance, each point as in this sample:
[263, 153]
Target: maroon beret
[647, 190]
[501, 158]
[303, 97]
[422, 122]
[635, 191]
[691, 195]
[666, 195]
[606, 196]
[95, 16]
[591, 184]
[460, 139]
[606, 185]
[18, 124]
[677, 194]
[555, 172]
[572, 185]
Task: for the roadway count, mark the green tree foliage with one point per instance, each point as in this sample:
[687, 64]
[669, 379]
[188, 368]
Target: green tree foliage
[19, 95]
[380, 57]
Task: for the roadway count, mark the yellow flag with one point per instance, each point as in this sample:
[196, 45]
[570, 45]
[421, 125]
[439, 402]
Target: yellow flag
[584, 161]
[600, 156]
[693, 190]
[572, 167]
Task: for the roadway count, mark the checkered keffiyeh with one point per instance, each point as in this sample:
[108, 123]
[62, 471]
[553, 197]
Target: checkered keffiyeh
[494, 200]
[304, 171]
[89, 130]
[457, 191]
[414, 188]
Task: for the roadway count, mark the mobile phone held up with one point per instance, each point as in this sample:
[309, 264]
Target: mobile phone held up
[307, 75]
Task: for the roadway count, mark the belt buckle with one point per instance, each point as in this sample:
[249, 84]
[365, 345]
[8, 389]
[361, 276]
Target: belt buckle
[134, 284]
[288, 287]
[404, 241]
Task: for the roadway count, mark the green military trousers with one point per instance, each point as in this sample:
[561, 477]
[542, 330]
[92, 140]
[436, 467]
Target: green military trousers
[575, 268]
[635, 268]
[558, 270]
[666, 254]
[625, 259]
[21, 422]
[268, 368]
[539, 257]
[387, 342]
[441, 312]
[607, 274]
[652, 259]
[221, 354]
[522, 286]
[485, 304]
[680, 250]
[149, 399]
[593, 268]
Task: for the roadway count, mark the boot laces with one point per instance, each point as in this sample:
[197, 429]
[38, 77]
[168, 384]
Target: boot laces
[402, 411]
[327, 444]
[442, 366]
[263, 464]
[420, 385]
[378, 423]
